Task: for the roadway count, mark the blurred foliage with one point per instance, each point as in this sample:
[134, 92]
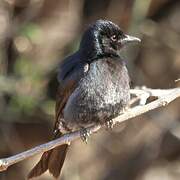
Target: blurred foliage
[35, 35]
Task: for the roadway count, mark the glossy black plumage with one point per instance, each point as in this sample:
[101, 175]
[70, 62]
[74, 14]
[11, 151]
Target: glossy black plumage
[93, 88]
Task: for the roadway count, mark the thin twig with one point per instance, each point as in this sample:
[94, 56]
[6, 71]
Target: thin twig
[164, 97]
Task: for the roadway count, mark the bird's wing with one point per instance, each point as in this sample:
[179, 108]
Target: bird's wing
[67, 85]
[68, 78]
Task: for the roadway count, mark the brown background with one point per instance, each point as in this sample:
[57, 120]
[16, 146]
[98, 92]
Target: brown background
[35, 35]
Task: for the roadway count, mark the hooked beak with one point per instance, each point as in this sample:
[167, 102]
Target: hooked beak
[129, 39]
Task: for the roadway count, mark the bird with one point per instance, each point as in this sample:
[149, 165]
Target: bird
[93, 88]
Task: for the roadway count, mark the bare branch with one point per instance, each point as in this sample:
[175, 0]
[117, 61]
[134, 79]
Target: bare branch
[165, 96]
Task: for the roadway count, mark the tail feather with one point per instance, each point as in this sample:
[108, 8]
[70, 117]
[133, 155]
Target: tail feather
[41, 166]
[56, 160]
[51, 160]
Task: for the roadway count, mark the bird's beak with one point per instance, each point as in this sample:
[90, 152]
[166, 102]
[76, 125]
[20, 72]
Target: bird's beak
[129, 39]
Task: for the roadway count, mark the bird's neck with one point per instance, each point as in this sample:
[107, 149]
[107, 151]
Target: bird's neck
[93, 55]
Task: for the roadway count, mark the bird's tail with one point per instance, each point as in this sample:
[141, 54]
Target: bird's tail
[51, 160]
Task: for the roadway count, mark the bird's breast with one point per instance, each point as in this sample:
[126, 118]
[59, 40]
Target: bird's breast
[101, 94]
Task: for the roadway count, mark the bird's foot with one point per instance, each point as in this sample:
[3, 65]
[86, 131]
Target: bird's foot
[109, 124]
[84, 133]
[125, 109]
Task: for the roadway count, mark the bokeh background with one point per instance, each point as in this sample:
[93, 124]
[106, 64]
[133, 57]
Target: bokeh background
[35, 35]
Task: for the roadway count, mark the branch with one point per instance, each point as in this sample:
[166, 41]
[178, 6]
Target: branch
[164, 97]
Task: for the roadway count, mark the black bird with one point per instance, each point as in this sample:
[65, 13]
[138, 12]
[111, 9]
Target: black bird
[93, 88]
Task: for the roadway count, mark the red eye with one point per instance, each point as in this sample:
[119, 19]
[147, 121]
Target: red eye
[114, 38]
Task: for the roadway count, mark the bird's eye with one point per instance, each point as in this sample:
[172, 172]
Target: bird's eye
[114, 38]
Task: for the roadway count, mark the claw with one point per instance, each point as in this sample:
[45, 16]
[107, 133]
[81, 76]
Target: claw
[125, 109]
[84, 133]
[109, 124]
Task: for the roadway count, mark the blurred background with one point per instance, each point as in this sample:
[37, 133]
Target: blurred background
[35, 35]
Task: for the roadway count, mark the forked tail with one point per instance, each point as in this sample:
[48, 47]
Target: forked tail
[51, 160]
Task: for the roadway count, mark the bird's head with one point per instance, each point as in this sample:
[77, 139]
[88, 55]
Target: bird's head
[104, 38]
